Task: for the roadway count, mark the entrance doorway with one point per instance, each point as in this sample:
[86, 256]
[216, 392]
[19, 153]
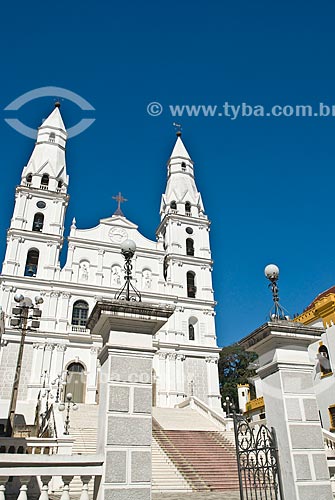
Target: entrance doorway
[76, 382]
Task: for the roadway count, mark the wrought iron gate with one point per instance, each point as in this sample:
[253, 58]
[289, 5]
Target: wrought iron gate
[257, 461]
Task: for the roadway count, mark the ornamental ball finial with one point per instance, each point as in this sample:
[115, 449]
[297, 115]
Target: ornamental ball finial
[271, 271]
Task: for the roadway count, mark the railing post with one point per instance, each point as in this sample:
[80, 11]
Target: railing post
[66, 488]
[45, 488]
[24, 486]
[3, 481]
[84, 492]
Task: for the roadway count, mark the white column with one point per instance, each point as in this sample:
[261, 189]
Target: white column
[180, 377]
[162, 379]
[99, 275]
[64, 312]
[290, 405]
[214, 397]
[92, 376]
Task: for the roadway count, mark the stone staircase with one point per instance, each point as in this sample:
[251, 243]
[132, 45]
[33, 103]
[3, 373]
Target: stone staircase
[183, 419]
[165, 475]
[83, 428]
[189, 451]
[206, 459]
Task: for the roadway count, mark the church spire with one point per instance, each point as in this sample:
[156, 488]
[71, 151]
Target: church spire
[48, 157]
[179, 150]
[181, 195]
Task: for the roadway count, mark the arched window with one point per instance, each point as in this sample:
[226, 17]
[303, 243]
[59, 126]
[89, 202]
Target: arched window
[188, 208]
[76, 382]
[29, 178]
[75, 367]
[38, 222]
[45, 181]
[79, 313]
[192, 325]
[52, 137]
[31, 263]
[189, 246]
[183, 166]
[60, 184]
[191, 288]
[324, 361]
[173, 205]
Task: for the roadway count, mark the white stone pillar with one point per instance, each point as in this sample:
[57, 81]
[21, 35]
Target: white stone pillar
[291, 407]
[92, 376]
[125, 409]
[162, 392]
[99, 275]
[214, 397]
[63, 318]
[180, 377]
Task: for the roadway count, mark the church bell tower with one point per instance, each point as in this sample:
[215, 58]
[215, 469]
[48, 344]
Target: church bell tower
[35, 236]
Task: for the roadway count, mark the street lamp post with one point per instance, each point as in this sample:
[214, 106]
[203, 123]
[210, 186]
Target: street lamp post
[128, 291]
[228, 406]
[271, 272]
[59, 383]
[20, 320]
[67, 406]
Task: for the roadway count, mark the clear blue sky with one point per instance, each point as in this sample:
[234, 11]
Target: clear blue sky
[267, 183]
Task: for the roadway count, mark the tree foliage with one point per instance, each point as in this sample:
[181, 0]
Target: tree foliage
[233, 370]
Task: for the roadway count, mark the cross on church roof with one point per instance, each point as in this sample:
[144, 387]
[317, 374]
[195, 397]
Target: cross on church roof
[120, 199]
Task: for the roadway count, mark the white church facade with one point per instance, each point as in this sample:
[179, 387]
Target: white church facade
[175, 269]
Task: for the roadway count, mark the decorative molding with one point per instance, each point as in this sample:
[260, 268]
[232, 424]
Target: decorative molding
[61, 347]
[212, 359]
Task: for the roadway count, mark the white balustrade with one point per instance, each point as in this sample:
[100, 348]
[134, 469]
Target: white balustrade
[54, 474]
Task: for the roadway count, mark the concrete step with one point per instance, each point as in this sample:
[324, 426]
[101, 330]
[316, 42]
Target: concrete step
[165, 476]
[206, 459]
[183, 419]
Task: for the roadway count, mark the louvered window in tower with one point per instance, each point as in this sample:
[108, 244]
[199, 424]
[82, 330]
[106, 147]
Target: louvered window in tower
[189, 246]
[191, 288]
[38, 222]
[188, 208]
[31, 263]
[44, 181]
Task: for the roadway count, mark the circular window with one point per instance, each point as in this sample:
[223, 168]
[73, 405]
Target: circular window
[40, 204]
[189, 230]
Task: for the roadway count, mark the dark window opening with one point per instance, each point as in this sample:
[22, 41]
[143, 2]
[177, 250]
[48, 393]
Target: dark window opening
[188, 208]
[31, 263]
[191, 288]
[173, 205]
[189, 246]
[29, 178]
[52, 137]
[80, 313]
[45, 181]
[165, 267]
[331, 410]
[191, 332]
[60, 184]
[38, 222]
[183, 166]
[75, 367]
[324, 360]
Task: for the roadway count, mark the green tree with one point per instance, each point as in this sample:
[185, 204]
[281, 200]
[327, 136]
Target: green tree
[234, 369]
